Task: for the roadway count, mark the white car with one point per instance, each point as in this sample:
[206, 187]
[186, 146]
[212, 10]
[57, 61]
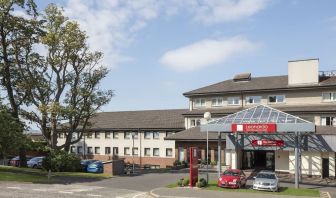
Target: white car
[266, 180]
[35, 162]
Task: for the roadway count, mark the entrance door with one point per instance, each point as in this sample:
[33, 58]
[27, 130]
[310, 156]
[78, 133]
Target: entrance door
[325, 167]
[270, 160]
[181, 154]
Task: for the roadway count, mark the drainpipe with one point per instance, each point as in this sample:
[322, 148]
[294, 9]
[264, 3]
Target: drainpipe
[140, 147]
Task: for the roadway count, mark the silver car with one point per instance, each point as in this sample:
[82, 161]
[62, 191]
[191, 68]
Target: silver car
[266, 180]
[35, 162]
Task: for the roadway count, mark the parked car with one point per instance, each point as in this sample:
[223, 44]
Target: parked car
[85, 164]
[35, 162]
[232, 178]
[16, 160]
[266, 180]
[95, 167]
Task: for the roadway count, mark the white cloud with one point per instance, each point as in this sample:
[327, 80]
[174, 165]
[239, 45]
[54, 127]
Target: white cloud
[205, 53]
[112, 25]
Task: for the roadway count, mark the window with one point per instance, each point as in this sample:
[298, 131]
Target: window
[79, 149]
[253, 99]
[216, 102]
[199, 102]
[97, 150]
[135, 151]
[126, 151]
[127, 135]
[195, 122]
[61, 135]
[115, 135]
[156, 135]
[169, 152]
[107, 135]
[233, 100]
[329, 97]
[147, 151]
[107, 150]
[89, 135]
[156, 152]
[74, 135]
[97, 135]
[276, 99]
[89, 150]
[73, 149]
[135, 135]
[328, 121]
[169, 133]
[115, 151]
[147, 135]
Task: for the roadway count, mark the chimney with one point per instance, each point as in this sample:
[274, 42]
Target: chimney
[303, 72]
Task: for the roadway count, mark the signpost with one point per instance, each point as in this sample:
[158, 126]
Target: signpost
[193, 166]
[268, 143]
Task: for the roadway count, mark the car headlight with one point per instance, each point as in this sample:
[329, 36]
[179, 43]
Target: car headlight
[234, 181]
[220, 179]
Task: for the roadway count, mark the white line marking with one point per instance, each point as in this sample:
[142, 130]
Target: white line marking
[93, 195]
[153, 194]
[139, 195]
[16, 188]
[65, 192]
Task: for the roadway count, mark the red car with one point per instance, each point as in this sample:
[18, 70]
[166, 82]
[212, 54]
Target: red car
[232, 178]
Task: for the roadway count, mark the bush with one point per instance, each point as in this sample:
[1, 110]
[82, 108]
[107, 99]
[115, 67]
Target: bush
[213, 163]
[177, 163]
[179, 183]
[202, 183]
[61, 161]
[184, 163]
[186, 182]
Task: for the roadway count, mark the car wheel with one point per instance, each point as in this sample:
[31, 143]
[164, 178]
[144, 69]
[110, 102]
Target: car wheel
[238, 185]
[34, 166]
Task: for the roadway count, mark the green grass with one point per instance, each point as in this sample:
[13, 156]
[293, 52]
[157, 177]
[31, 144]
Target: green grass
[283, 190]
[9, 173]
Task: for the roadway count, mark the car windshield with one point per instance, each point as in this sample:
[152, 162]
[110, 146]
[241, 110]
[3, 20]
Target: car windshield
[266, 176]
[231, 173]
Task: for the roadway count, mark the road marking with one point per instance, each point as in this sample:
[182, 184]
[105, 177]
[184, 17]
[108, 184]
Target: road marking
[41, 190]
[16, 188]
[153, 194]
[65, 192]
[139, 195]
[93, 195]
[325, 194]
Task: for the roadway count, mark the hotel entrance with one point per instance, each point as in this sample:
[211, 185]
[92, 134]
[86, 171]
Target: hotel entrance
[258, 159]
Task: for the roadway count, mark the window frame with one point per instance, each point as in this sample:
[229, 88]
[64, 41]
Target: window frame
[107, 136]
[149, 133]
[115, 149]
[149, 150]
[115, 134]
[332, 96]
[73, 149]
[107, 148]
[89, 150]
[156, 137]
[89, 135]
[276, 102]
[253, 98]
[232, 97]
[217, 103]
[127, 137]
[197, 122]
[95, 150]
[198, 102]
[128, 149]
[167, 152]
[133, 153]
[97, 135]
[158, 149]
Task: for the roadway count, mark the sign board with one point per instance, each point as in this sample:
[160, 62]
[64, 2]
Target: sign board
[193, 166]
[268, 143]
[254, 128]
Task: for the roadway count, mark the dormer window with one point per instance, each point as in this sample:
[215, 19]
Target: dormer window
[217, 102]
[199, 102]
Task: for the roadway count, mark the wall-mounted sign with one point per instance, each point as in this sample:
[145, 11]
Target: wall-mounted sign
[268, 143]
[250, 128]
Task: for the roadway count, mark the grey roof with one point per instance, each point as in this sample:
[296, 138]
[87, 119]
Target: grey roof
[291, 109]
[255, 84]
[258, 114]
[192, 134]
[147, 119]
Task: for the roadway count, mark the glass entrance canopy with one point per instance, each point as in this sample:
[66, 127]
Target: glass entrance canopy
[260, 114]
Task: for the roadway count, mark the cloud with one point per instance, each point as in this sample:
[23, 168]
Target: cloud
[205, 53]
[112, 25]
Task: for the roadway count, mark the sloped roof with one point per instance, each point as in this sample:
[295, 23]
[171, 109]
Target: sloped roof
[192, 134]
[256, 84]
[147, 119]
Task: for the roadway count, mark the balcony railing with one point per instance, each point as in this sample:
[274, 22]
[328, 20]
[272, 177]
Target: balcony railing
[330, 73]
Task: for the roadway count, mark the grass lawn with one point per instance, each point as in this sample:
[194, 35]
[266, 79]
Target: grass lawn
[283, 190]
[9, 173]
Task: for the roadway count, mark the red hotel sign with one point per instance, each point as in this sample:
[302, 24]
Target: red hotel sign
[268, 143]
[250, 128]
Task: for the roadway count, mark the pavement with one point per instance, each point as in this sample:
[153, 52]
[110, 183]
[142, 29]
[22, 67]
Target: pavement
[146, 185]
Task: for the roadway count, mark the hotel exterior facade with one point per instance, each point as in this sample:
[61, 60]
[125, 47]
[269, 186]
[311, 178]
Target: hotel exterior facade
[305, 92]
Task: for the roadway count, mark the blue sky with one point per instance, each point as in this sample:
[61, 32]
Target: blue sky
[159, 49]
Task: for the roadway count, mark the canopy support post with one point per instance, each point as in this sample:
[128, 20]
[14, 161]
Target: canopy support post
[219, 154]
[297, 167]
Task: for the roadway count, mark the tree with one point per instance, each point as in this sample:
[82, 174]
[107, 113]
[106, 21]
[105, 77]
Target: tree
[11, 137]
[64, 86]
[17, 35]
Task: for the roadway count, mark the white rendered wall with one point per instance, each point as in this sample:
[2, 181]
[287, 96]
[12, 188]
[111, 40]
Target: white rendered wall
[282, 161]
[311, 163]
[332, 164]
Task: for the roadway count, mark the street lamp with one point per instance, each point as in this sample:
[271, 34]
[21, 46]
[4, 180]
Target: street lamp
[207, 116]
[133, 135]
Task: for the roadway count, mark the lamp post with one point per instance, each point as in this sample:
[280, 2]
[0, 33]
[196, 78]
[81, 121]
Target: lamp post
[133, 134]
[207, 117]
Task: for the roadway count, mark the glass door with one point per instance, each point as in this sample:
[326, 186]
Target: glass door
[270, 160]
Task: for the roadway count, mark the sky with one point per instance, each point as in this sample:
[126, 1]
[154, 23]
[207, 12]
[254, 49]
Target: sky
[158, 49]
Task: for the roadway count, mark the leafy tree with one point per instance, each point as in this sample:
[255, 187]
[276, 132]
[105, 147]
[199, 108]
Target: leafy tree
[64, 86]
[17, 35]
[11, 137]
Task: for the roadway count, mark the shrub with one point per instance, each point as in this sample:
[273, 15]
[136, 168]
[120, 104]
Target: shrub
[198, 185]
[177, 163]
[202, 183]
[179, 183]
[184, 163]
[186, 182]
[61, 161]
[213, 163]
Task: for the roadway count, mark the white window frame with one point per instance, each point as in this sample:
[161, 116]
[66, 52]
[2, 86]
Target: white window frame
[97, 135]
[149, 152]
[135, 151]
[195, 122]
[127, 135]
[332, 97]
[154, 149]
[217, 103]
[147, 135]
[167, 152]
[115, 149]
[115, 134]
[97, 150]
[276, 102]
[247, 99]
[108, 135]
[199, 102]
[156, 137]
[89, 150]
[107, 153]
[324, 120]
[127, 149]
[233, 104]
[73, 149]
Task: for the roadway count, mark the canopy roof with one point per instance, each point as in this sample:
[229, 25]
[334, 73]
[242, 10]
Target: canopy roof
[260, 114]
